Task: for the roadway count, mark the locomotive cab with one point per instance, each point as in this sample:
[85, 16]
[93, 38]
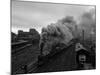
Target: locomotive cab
[83, 57]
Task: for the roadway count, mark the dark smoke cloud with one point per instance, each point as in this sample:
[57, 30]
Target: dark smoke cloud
[68, 28]
[54, 34]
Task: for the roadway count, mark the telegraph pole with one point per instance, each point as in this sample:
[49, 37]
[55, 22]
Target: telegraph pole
[83, 36]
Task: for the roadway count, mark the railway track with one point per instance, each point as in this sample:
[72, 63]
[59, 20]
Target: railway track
[20, 49]
[23, 55]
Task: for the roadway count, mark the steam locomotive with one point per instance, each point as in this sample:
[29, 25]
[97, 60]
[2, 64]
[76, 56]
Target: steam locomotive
[85, 59]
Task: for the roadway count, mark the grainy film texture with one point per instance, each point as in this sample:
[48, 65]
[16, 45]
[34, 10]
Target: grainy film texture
[51, 37]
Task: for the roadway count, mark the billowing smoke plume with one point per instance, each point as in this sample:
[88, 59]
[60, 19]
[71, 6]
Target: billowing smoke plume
[66, 29]
[71, 24]
[58, 33]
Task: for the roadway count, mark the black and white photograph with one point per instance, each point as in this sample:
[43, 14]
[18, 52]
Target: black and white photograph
[52, 37]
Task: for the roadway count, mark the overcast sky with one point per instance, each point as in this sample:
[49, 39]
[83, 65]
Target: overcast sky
[36, 15]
